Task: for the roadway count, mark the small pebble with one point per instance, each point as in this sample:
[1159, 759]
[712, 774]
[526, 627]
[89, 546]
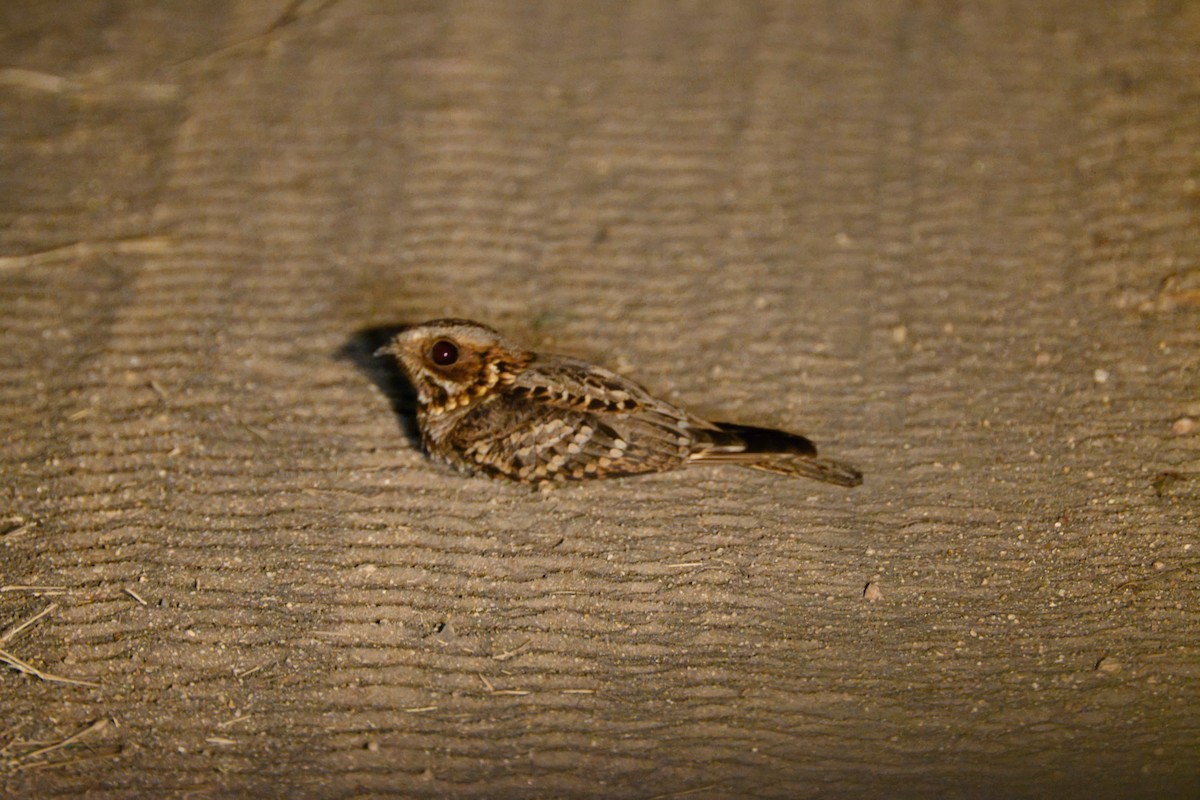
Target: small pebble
[1101, 376]
[1109, 665]
[872, 592]
[899, 334]
[1183, 426]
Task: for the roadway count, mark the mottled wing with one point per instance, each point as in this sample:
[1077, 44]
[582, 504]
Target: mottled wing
[533, 440]
[573, 384]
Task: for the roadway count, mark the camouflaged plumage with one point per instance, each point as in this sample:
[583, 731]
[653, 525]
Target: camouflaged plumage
[486, 406]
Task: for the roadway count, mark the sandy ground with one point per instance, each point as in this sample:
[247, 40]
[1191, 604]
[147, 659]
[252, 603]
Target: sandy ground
[958, 244]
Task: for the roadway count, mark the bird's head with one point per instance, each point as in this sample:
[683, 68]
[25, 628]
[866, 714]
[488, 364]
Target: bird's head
[451, 362]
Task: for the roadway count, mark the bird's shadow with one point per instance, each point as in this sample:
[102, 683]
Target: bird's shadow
[383, 371]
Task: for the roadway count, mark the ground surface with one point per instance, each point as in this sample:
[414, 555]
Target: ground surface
[957, 245]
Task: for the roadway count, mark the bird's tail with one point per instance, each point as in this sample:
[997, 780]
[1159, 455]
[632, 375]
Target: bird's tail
[819, 468]
[775, 451]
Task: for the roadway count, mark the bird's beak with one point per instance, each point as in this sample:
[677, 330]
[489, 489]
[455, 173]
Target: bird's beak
[398, 342]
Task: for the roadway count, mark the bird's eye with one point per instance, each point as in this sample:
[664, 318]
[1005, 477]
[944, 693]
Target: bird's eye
[443, 353]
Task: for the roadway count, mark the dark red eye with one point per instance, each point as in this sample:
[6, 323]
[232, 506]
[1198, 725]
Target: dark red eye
[443, 353]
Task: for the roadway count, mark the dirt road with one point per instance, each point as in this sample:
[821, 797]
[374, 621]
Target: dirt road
[957, 245]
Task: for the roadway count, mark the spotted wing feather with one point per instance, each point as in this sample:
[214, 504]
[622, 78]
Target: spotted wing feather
[515, 437]
[573, 384]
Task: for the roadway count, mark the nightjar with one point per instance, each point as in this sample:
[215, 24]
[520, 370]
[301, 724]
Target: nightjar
[488, 407]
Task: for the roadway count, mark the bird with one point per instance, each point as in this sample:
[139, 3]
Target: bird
[486, 406]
